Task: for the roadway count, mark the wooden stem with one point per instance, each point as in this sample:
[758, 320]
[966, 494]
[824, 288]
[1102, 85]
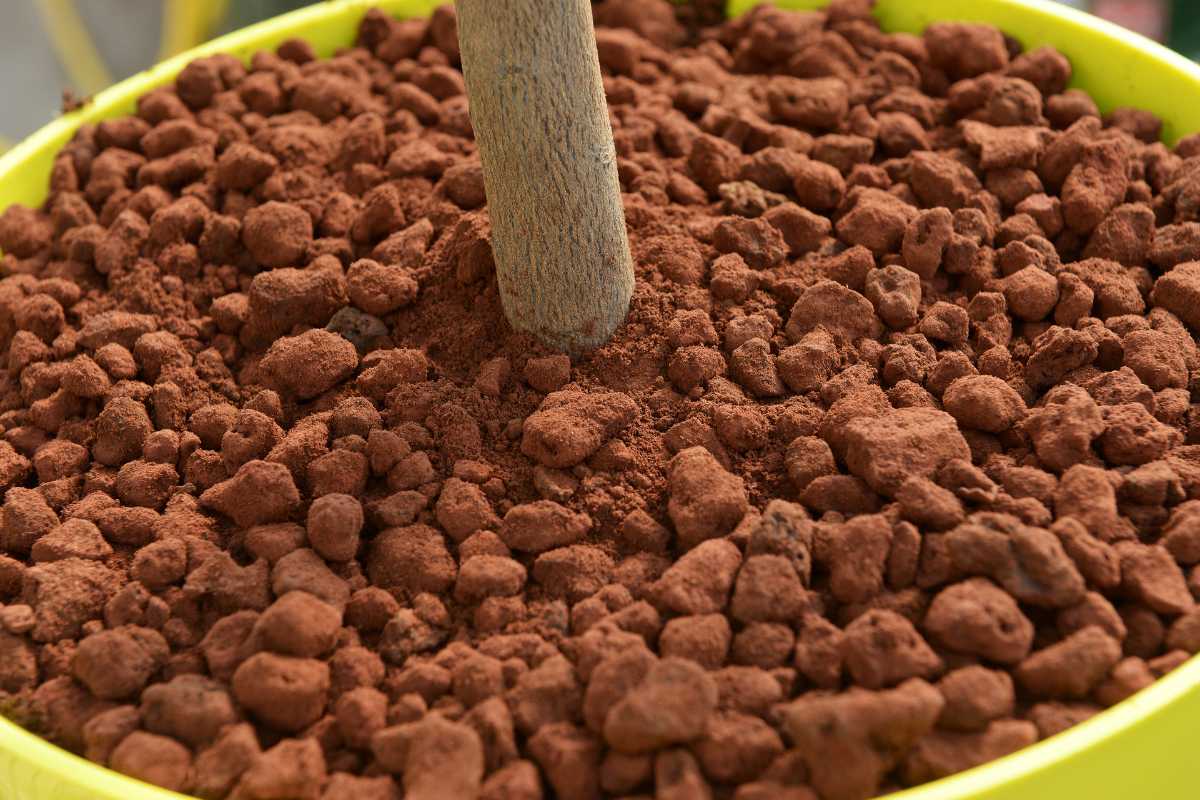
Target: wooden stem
[550, 168]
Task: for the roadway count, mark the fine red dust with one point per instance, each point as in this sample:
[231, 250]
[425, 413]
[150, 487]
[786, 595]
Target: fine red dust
[893, 469]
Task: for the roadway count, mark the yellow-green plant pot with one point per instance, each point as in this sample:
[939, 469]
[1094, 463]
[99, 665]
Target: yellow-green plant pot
[1137, 749]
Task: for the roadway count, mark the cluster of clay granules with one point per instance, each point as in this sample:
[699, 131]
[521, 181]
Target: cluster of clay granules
[889, 472]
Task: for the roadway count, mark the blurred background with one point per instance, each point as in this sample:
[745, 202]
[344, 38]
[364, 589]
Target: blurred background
[48, 46]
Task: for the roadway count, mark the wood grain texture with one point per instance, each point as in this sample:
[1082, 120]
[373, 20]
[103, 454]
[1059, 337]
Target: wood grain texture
[550, 168]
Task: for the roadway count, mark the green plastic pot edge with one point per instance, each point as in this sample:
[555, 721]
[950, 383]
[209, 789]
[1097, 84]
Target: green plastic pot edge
[1135, 749]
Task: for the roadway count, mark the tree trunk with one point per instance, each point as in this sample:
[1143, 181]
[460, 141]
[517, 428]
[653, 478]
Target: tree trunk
[541, 121]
